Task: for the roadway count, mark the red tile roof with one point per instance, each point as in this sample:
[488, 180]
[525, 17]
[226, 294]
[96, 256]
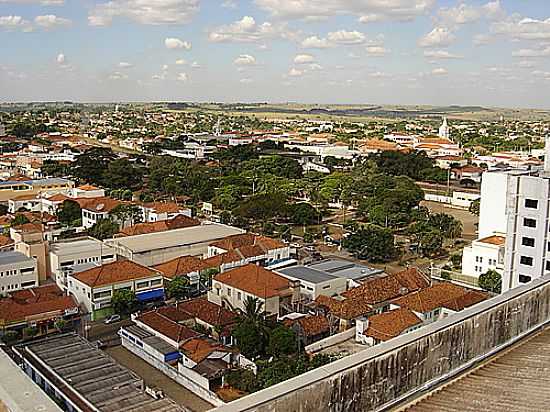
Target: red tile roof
[493, 240]
[167, 327]
[388, 325]
[314, 325]
[115, 272]
[248, 239]
[163, 207]
[178, 222]
[208, 312]
[98, 204]
[180, 266]
[255, 280]
[199, 349]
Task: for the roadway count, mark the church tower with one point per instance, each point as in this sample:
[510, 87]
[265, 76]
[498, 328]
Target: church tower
[444, 132]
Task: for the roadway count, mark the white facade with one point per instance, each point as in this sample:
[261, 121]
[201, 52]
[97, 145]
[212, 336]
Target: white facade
[17, 272]
[492, 214]
[444, 131]
[483, 255]
[152, 215]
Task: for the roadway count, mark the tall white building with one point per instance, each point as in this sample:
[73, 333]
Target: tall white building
[444, 131]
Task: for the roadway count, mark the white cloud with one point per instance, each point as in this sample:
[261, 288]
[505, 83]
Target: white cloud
[125, 65]
[11, 23]
[440, 71]
[51, 21]
[438, 37]
[377, 51]
[314, 67]
[482, 39]
[303, 59]
[247, 30]
[246, 81]
[41, 2]
[153, 12]
[229, 4]
[345, 37]
[314, 42]
[180, 62]
[245, 60]
[541, 52]
[294, 72]
[61, 59]
[182, 77]
[118, 76]
[175, 43]
[195, 65]
[526, 64]
[394, 9]
[441, 54]
[523, 28]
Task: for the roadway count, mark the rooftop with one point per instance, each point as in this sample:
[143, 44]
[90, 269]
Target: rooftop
[115, 272]
[88, 376]
[12, 257]
[493, 240]
[54, 181]
[178, 222]
[166, 326]
[178, 237]
[345, 269]
[77, 247]
[255, 280]
[307, 274]
[388, 325]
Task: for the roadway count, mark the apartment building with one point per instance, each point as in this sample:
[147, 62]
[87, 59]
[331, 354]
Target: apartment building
[17, 272]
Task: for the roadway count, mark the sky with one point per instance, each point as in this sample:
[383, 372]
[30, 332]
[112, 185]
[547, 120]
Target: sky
[437, 52]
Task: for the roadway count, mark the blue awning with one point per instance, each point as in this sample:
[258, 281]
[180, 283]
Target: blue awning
[150, 295]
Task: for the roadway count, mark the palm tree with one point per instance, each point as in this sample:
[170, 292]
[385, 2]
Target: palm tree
[253, 310]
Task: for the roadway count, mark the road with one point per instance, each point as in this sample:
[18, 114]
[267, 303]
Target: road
[154, 378]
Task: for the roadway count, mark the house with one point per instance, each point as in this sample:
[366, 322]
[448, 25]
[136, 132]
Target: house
[467, 172]
[309, 329]
[216, 320]
[178, 222]
[355, 273]
[274, 292]
[253, 248]
[167, 324]
[72, 256]
[186, 266]
[96, 209]
[17, 271]
[313, 282]
[373, 296]
[86, 191]
[31, 203]
[159, 211]
[38, 307]
[6, 243]
[385, 326]
[447, 162]
[439, 300]
[483, 255]
[94, 288]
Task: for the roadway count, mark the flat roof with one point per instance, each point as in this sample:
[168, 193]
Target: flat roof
[75, 247]
[307, 274]
[18, 392]
[177, 237]
[89, 376]
[154, 341]
[11, 257]
[38, 182]
[345, 269]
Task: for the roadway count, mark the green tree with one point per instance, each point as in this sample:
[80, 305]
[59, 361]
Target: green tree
[178, 288]
[372, 243]
[69, 213]
[127, 212]
[250, 338]
[474, 207]
[103, 229]
[430, 243]
[124, 301]
[10, 337]
[19, 220]
[304, 214]
[122, 174]
[54, 168]
[60, 324]
[282, 342]
[490, 281]
[92, 165]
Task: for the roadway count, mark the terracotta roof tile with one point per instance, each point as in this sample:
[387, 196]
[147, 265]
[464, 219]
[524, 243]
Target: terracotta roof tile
[388, 325]
[5, 241]
[198, 349]
[493, 240]
[163, 207]
[98, 204]
[255, 280]
[208, 312]
[314, 325]
[180, 266]
[167, 327]
[115, 272]
[178, 222]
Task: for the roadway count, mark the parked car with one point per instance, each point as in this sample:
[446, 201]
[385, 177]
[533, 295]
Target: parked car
[112, 319]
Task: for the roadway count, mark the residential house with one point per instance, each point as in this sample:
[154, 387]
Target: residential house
[96, 209]
[274, 292]
[310, 328]
[94, 288]
[439, 300]
[385, 326]
[483, 255]
[183, 266]
[38, 307]
[216, 320]
[448, 162]
[159, 211]
[467, 172]
[86, 191]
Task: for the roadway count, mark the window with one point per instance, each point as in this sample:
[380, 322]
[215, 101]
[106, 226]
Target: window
[548, 265]
[528, 241]
[526, 260]
[27, 270]
[156, 282]
[239, 295]
[141, 285]
[524, 279]
[326, 287]
[529, 222]
[229, 292]
[531, 203]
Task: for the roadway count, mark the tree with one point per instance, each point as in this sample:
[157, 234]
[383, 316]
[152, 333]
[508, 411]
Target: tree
[92, 165]
[304, 214]
[429, 243]
[263, 207]
[372, 243]
[282, 342]
[127, 213]
[178, 288]
[30, 331]
[103, 229]
[253, 309]
[10, 337]
[474, 207]
[54, 168]
[69, 213]
[490, 281]
[122, 174]
[124, 301]
[19, 220]
[250, 338]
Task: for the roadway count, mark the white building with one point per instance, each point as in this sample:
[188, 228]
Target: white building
[313, 282]
[158, 211]
[444, 130]
[17, 272]
[483, 255]
[68, 258]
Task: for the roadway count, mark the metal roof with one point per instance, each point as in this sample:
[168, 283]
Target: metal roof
[11, 257]
[38, 182]
[306, 274]
[345, 269]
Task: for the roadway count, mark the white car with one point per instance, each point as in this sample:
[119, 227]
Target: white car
[112, 319]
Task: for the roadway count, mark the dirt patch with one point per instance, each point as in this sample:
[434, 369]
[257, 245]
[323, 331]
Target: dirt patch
[469, 221]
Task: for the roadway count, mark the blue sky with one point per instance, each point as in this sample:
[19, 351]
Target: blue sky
[471, 52]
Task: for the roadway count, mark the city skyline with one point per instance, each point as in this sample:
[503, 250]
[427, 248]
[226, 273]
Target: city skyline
[491, 53]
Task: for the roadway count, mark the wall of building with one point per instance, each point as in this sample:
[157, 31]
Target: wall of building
[381, 376]
[12, 279]
[492, 211]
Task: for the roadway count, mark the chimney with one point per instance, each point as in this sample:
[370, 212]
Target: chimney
[547, 153]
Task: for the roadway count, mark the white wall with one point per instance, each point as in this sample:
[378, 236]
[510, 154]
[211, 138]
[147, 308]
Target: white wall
[492, 215]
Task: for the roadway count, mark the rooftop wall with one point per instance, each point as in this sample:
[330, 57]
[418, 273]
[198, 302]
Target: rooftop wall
[384, 374]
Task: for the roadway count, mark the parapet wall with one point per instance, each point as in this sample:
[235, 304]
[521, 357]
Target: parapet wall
[382, 375]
